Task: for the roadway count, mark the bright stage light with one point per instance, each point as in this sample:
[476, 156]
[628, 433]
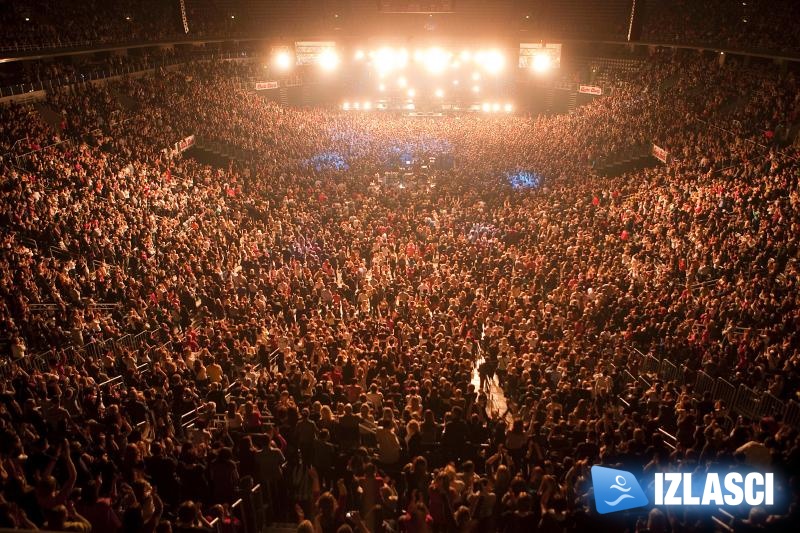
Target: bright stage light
[439, 93]
[476, 76]
[410, 106]
[436, 60]
[541, 62]
[381, 87]
[496, 107]
[283, 60]
[411, 93]
[367, 106]
[328, 59]
[346, 106]
[359, 55]
[492, 61]
[465, 55]
[357, 106]
[455, 82]
[402, 82]
[456, 64]
[476, 89]
[508, 108]
[387, 59]
[486, 107]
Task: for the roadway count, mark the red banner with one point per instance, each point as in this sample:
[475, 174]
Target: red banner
[660, 154]
[263, 85]
[590, 89]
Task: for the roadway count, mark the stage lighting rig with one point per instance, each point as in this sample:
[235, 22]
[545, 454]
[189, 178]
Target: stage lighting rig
[541, 62]
[282, 58]
[328, 60]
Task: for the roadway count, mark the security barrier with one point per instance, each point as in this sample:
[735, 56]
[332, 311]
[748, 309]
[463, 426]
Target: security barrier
[742, 400]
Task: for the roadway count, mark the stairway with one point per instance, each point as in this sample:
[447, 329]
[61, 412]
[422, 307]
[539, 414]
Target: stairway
[50, 116]
[548, 100]
[208, 156]
[573, 96]
[627, 164]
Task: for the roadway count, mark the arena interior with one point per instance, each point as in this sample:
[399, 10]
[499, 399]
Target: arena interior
[379, 266]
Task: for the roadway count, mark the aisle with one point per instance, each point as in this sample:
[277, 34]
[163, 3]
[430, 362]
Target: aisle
[497, 398]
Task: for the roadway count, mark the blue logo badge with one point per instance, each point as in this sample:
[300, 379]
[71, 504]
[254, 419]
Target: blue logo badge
[616, 490]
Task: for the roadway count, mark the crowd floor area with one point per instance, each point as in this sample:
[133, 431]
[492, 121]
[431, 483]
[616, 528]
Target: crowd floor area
[277, 332]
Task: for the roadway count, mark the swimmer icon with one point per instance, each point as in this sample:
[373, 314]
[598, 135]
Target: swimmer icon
[616, 490]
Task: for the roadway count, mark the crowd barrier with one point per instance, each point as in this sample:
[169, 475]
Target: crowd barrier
[95, 349]
[741, 400]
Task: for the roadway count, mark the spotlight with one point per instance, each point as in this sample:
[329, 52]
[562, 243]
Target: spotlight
[381, 87]
[367, 106]
[455, 82]
[402, 82]
[541, 62]
[508, 108]
[486, 107]
[346, 106]
[357, 106]
[411, 93]
[439, 93]
[283, 60]
[476, 89]
[359, 55]
[329, 59]
[493, 61]
[465, 55]
[387, 59]
[476, 76]
[436, 60]
[496, 107]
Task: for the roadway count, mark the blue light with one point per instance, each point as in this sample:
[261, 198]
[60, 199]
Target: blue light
[327, 161]
[523, 180]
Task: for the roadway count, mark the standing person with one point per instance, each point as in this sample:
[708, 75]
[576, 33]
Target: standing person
[482, 505]
[502, 369]
[269, 463]
[324, 459]
[441, 503]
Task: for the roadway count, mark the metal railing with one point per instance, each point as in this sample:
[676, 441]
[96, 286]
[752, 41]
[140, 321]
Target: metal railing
[740, 399]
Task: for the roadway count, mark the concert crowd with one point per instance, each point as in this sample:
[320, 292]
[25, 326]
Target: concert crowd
[379, 352]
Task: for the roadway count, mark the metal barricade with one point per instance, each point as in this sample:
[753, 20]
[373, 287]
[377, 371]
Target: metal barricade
[746, 402]
[650, 365]
[724, 391]
[628, 378]
[792, 416]
[94, 349]
[771, 406]
[668, 371]
[704, 383]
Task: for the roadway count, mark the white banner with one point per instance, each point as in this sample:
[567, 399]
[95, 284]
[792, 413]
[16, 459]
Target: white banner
[590, 89]
[660, 154]
[263, 85]
[184, 144]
